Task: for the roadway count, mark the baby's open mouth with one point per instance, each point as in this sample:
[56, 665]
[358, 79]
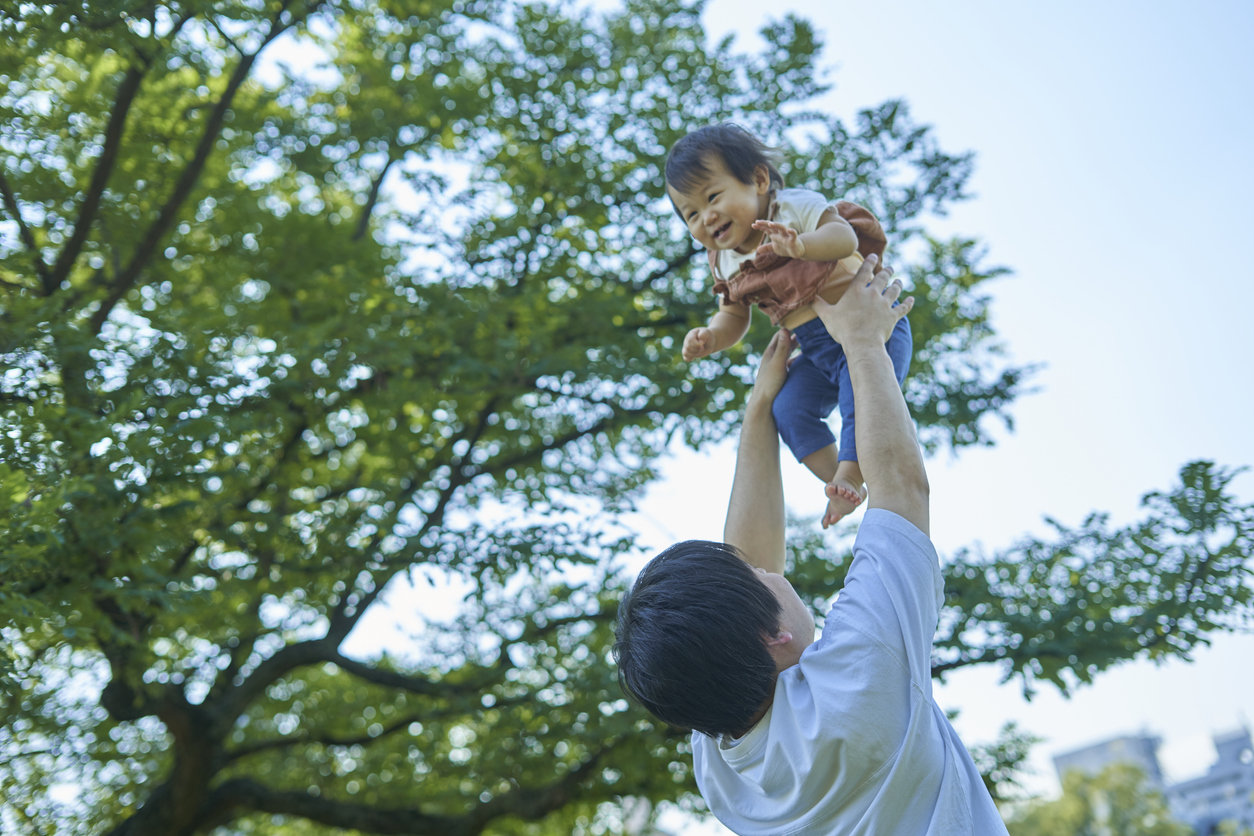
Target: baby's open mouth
[722, 230]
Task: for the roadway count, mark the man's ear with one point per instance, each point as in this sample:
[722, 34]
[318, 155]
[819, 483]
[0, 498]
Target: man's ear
[781, 637]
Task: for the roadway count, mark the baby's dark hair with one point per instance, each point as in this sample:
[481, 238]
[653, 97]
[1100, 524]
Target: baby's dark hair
[740, 151]
[691, 638]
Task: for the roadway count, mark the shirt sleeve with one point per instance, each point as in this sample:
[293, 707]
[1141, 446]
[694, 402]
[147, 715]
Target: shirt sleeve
[893, 592]
[801, 208]
[871, 237]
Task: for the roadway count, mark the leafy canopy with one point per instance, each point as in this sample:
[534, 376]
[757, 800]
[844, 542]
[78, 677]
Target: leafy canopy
[309, 303]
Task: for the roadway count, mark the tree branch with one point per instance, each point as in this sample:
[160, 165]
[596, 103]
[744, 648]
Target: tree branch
[332, 741]
[329, 740]
[535, 454]
[241, 795]
[260, 483]
[23, 231]
[186, 182]
[487, 675]
[363, 222]
[666, 269]
[213, 21]
[288, 658]
[532, 803]
[127, 90]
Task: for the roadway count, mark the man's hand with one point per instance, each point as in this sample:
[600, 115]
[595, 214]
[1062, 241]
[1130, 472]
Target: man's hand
[699, 342]
[773, 369]
[784, 240]
[866, 311]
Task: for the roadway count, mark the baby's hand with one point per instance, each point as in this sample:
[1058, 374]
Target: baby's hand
[698, 343]
[784, 240]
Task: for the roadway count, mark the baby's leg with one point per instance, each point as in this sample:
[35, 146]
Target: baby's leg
[842, 482]
[822, 463]
[845, 491]
[800, 410]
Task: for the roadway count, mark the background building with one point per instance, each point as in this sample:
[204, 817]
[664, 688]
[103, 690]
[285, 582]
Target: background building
[1139, 750]
[1224, 793]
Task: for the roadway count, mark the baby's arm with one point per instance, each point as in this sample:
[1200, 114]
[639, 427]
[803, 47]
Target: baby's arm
[832, 240]
[727, 327]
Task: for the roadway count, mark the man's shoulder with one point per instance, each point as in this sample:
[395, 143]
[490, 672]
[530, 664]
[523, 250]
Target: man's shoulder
[892, 548]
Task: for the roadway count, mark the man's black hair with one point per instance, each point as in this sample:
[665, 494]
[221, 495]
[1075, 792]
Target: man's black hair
[740, 151]
[691, 641]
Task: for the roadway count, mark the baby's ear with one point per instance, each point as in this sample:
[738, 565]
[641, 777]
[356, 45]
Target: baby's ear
[762, 179]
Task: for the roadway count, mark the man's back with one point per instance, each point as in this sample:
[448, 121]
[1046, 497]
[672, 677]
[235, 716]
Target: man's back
[854, 742]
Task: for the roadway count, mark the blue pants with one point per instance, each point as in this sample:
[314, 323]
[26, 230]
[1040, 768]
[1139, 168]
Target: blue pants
[818, 382]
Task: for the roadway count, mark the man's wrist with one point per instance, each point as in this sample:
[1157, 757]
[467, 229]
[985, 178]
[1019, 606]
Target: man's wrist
[862, 344]
[759, 405]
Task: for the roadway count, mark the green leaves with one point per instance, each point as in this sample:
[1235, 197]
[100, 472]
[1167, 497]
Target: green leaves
[1118, 801]
[287, 335]
[955, 382]
[1065, 609]
[305, 305]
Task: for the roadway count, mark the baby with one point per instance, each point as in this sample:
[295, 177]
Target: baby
[777, 249]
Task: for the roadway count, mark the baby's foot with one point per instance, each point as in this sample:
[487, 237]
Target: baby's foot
[842, 498]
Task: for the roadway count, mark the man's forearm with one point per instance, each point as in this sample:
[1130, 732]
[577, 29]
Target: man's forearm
[755, 513]
[888, 451]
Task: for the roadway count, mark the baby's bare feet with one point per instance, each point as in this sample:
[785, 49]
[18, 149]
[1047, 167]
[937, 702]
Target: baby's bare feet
[842, 498]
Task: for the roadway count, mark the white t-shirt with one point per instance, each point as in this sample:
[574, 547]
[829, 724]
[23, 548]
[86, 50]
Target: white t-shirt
[853, 742]
[798, 209]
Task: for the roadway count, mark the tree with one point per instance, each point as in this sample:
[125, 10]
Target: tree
[305, 302]
[1063, 610]
[1117, 802]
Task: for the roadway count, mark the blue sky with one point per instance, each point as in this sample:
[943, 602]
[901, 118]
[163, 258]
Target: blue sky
[1113, 176]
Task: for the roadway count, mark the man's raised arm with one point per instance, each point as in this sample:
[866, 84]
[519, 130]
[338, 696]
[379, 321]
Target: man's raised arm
[888, 450]
[755, 513]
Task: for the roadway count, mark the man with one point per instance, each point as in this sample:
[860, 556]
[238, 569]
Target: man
[793, 735]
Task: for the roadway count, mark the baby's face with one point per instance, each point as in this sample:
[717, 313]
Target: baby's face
[720, 210]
